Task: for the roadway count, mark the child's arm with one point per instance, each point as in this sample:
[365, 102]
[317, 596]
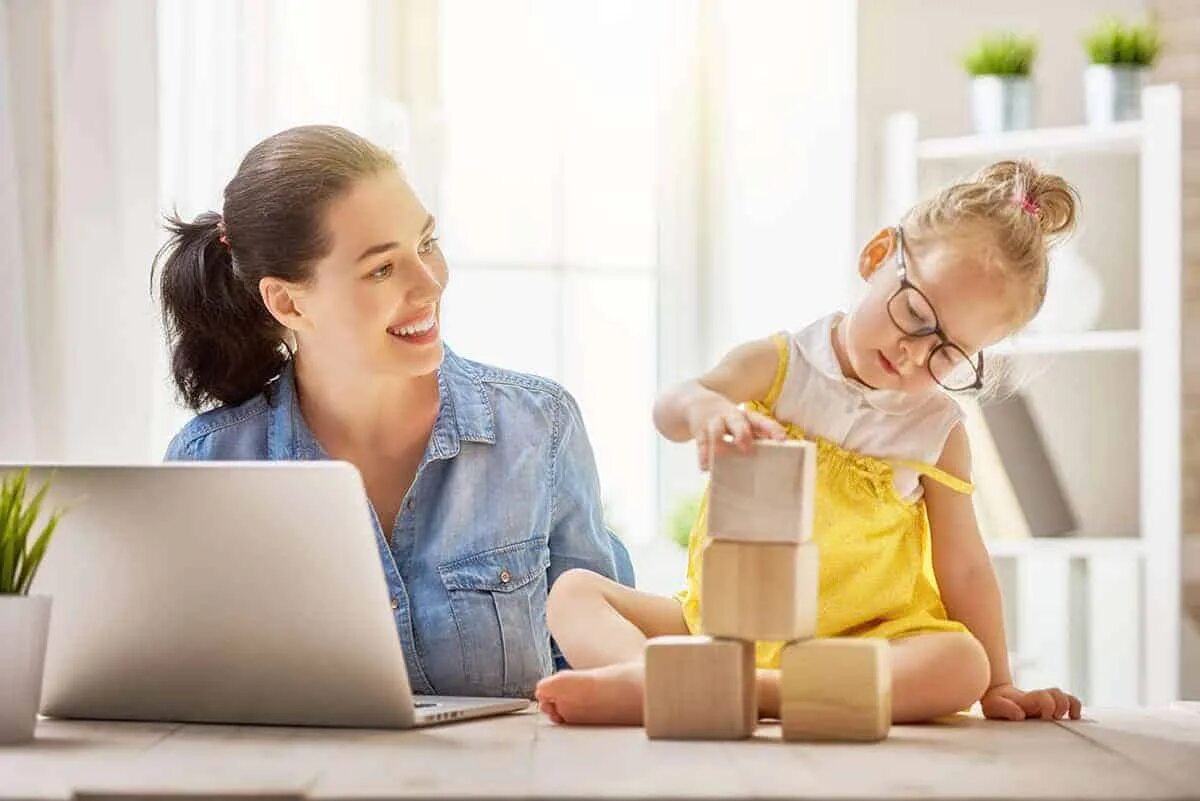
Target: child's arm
[971, 593]
[705, 409]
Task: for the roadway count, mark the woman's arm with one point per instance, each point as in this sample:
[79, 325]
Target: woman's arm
[705, 409]
[971, 593]
[579, 536]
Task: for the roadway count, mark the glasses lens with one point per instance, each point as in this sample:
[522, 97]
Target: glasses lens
[952, 369]
[911, 313]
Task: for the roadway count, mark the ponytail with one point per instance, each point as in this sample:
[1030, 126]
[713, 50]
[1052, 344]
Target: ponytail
[225, 346]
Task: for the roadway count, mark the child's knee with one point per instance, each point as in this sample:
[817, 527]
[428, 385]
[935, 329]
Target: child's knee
[974, 670]
[569, 589]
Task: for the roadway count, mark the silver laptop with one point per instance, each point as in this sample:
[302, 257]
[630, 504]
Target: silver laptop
[235, 592]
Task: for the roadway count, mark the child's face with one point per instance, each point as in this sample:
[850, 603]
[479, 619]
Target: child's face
[374, 304]
[972, 303]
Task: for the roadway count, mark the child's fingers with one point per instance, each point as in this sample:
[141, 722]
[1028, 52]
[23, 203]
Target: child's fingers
[703, 450]
[1039, 704]
[739, 428]
[765, 427]
[1001, 707]
[1076, 708]
[715, 430]
[1061, 704]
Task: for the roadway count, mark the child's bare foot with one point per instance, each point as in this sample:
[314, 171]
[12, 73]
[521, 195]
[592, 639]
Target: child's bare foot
[608, 695]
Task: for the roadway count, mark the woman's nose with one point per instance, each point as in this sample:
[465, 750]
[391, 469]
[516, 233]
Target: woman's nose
[424, 284]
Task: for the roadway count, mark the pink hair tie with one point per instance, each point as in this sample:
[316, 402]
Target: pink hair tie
[224, 238]
[1029, 206]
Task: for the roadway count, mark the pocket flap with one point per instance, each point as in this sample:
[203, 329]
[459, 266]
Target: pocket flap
[502, 569]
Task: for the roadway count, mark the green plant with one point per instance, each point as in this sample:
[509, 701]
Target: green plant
[1001, 54]
[1114, 42]
[19, 560]
[681, 520]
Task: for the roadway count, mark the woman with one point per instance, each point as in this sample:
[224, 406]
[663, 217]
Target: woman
[308, 315]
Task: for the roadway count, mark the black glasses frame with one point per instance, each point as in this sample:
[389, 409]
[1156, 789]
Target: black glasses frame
[933, 330]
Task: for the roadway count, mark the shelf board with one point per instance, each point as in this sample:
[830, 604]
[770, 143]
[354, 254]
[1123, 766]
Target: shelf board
[1067, 546]
[1121, 137]
[1084, 342]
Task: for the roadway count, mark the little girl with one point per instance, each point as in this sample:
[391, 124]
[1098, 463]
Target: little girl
[900, 552]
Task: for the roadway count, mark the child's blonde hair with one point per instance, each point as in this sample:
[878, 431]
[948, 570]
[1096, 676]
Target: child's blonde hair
[1014, 213]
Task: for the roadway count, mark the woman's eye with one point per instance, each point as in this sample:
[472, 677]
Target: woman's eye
[381, 272]
[427, 246]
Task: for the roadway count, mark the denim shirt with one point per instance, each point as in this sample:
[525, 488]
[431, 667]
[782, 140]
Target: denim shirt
[505, 499]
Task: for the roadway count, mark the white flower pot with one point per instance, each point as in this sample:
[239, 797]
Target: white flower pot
[24, 624]
[1001, 103]
[1112, 93]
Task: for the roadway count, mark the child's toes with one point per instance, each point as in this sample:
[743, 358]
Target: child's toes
[550, 710]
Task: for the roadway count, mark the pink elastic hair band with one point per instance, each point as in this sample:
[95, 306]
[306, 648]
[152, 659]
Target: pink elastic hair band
[1028, 205]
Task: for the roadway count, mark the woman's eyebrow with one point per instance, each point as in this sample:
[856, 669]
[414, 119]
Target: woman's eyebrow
[385, 246]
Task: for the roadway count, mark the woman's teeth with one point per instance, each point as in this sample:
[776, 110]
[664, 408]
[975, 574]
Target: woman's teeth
[412, 330]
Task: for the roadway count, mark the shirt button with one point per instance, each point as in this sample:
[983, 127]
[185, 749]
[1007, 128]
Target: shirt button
[505, 576]
[395, 603]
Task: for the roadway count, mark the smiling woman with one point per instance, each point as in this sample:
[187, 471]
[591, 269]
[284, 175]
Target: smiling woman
[307, 315]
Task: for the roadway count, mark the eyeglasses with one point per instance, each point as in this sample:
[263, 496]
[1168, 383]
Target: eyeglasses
[913, 314]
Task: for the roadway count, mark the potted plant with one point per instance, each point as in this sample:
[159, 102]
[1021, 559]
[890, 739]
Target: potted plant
[1001, 89]
[683, 518]
[1120, 54]
[24, 620]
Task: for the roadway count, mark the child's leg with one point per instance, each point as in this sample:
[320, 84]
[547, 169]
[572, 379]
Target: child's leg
[601, 628]
[937, 674]
[933, 675]
[597, 621]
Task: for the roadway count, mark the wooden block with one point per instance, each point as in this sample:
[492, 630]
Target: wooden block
[758, 591]
[764, 496]
[838, 688]
[700, 688]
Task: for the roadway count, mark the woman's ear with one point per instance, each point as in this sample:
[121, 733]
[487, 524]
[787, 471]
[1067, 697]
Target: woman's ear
[875, 252]
[280, 299]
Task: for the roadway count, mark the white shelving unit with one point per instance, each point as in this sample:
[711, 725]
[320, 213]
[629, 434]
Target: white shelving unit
[1101, 614]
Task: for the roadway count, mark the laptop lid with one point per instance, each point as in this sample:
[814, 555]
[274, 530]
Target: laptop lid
[245, 592]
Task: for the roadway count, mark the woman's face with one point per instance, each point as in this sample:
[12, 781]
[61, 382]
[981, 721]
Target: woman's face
[374, 303]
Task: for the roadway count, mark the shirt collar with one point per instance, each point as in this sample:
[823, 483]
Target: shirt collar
[823, 357]
[464, 413]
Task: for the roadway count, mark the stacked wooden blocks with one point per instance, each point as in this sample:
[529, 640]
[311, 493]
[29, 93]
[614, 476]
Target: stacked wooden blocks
[758, 581]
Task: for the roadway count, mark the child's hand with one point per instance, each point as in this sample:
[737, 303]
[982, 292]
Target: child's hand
[1006, 702]
[712, 417]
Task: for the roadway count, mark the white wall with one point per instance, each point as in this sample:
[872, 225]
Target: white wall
[909, 60]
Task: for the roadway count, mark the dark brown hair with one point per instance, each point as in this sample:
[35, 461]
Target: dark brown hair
[225, 345]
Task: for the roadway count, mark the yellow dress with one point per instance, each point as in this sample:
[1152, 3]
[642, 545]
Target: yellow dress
[876, 570]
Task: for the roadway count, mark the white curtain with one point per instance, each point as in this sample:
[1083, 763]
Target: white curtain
[79, 126]
[16, 380]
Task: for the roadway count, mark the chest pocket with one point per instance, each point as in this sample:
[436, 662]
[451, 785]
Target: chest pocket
[498, 601]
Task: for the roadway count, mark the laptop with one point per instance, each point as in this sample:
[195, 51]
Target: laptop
[225, 592]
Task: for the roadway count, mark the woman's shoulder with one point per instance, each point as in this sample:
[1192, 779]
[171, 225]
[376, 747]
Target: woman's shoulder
[490, 374]
[225, 433]
[506, 388]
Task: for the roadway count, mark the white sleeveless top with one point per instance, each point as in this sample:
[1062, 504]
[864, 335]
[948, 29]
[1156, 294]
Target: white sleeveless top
[821, 400]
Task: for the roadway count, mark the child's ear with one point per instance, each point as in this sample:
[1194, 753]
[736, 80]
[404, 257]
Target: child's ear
[875, 252]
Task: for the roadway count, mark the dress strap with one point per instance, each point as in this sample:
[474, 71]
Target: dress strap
[782, 351]
[937, 474]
